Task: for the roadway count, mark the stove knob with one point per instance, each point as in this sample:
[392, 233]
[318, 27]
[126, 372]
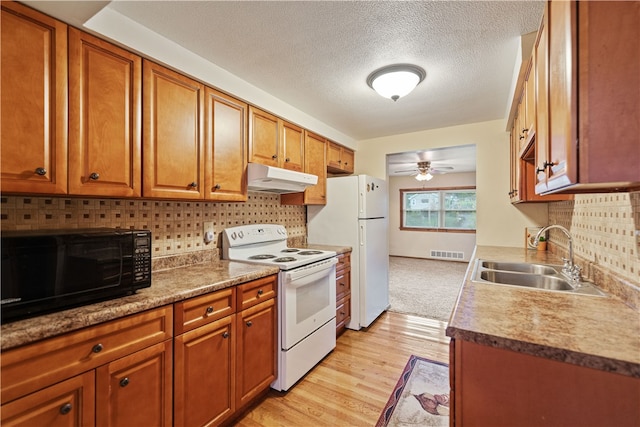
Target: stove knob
[240, 234]
[233, 235]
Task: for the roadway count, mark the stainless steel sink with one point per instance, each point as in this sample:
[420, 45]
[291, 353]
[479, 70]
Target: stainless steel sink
[530, 275]
[539, 281]
[521, 267]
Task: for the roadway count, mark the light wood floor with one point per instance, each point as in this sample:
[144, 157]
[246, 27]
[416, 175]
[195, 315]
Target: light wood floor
[351, 386]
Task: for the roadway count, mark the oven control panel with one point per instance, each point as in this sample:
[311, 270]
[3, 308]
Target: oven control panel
[254, 233]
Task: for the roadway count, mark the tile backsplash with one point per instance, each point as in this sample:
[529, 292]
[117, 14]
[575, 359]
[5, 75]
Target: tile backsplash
[176, 226]
[605, 230]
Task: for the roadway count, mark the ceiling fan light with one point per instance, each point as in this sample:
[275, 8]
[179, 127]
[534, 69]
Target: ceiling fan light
[424, 176]
[396, 81]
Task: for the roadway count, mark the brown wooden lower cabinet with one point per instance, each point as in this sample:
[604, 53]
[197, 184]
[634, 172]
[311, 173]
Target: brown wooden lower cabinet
[203, 374]
[224, 364]
[494, 386]
[343, 292]
[133, 372]
[136, 390]
[67, 403]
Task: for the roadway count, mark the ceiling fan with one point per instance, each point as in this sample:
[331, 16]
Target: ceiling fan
[424, 171]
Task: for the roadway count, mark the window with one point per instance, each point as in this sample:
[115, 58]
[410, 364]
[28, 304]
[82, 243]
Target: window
[439, 209]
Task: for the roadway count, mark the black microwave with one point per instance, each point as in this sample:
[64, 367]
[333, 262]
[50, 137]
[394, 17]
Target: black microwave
[50, 270]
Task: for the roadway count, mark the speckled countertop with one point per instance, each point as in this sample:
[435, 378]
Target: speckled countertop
[339, 249]
[167, 287]
[597, 332]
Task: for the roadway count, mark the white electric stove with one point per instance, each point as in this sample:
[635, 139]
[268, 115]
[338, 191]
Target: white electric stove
[306, 295]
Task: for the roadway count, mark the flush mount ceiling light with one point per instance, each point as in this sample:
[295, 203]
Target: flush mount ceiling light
[396, 81]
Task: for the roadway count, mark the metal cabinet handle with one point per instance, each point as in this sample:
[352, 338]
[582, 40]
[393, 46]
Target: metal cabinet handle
[225, 334]
[216, 187]
[341, 284]
[275, 156]
[249, 323]
[66, 408]
[124, 382]
[339, 161]
[209, 310]
[97, 348]
[41, 171]
[287, 160]
[193, 184]
[260, 292]
[545, 165]
[94, 176]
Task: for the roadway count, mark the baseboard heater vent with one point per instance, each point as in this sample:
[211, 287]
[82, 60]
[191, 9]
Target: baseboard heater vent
[447, 255]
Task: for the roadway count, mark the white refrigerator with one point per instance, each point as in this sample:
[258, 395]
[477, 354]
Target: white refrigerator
[356, 215]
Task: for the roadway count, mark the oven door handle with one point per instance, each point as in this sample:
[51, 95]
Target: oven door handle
[319, 268]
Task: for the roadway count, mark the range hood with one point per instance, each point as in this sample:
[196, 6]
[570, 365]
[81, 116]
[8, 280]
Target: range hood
[277, 180]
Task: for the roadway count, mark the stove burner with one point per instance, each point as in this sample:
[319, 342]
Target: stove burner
[284, 259]
[309, 253]
[290, 250]
[262, 256]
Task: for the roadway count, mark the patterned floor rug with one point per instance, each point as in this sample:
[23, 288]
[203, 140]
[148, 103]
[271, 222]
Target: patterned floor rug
[421, 396]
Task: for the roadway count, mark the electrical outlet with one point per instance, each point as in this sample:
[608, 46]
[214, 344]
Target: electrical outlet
[207, 232]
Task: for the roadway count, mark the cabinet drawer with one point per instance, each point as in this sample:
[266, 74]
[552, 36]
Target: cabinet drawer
[257, 291]
[38, 365]
[343, 312]
[344, 262]
[343, 284]
[204, 309]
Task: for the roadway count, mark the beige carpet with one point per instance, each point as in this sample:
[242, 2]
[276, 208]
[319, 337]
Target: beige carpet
[424, 287]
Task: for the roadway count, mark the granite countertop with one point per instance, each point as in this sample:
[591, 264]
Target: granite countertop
[593, 331]
[167, 287]
[338, 249]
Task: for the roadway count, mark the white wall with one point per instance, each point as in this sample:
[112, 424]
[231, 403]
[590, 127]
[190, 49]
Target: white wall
[418, 244]
[498, 222]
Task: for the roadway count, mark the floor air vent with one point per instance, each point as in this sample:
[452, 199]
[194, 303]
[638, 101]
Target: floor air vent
[447, 255]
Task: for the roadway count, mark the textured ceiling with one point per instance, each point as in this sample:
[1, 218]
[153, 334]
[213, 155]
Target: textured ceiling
[316, 55]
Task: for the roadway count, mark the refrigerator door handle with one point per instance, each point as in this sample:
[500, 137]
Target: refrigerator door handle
[361, 235]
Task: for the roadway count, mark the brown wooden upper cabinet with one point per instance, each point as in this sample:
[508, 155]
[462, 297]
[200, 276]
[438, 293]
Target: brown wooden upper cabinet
[105, 113]
[523, 132]
[173, 142]
[226, 147]
[593, 110]
[275, 142]
[34, 102]
[340, 160]
[315, 163]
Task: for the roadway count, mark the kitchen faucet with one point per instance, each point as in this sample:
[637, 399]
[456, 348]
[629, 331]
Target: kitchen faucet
[570, 269]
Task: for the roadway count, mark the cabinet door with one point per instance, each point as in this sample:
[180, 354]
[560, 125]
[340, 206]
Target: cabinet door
[542, 106]
[563, 82]
[104, 118]
[264, 134]
[530, 91]
[34, 102]
[173, 160]
[316, 164]
[333, 156]
[226, 146]
[137, 389]
[348, 160]
[292, 147]
[257, 345]
[204, 372]
[67, 403]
